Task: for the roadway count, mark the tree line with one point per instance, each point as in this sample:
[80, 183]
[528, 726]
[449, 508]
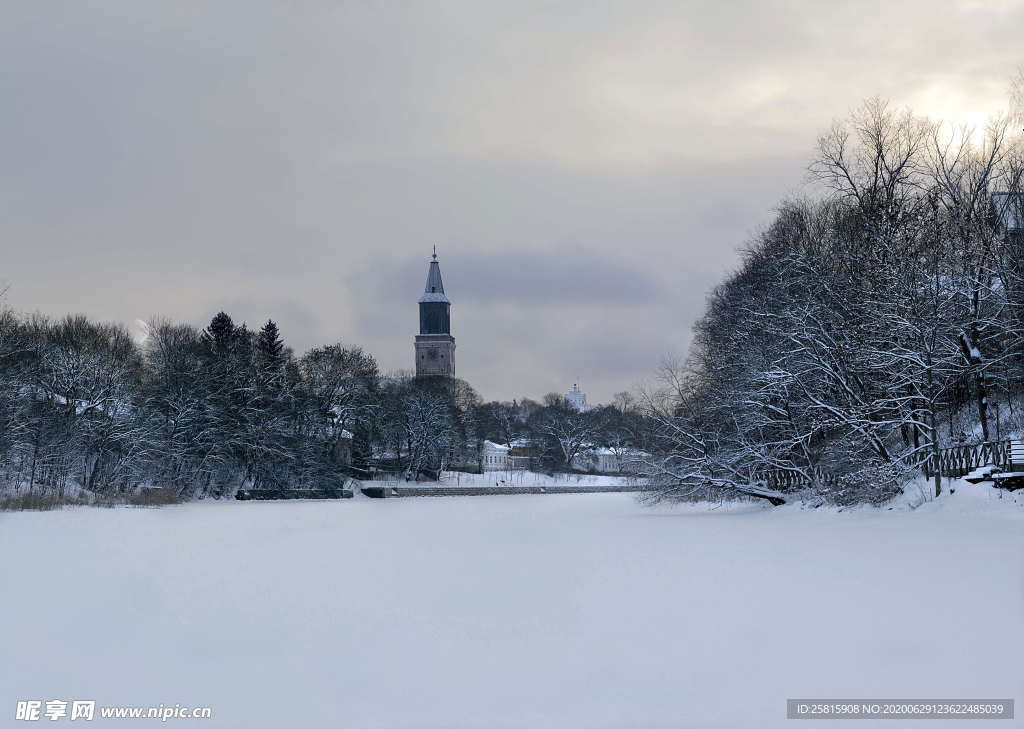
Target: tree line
[85, 408]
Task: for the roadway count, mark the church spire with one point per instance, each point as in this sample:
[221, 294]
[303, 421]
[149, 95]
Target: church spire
[434, 290]
[435, 345]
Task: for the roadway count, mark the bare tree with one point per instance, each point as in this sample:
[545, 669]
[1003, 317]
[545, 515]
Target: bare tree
[571, 430]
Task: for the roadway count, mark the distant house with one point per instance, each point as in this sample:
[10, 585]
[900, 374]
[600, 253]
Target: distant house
[495, 457]
[632, 460]
[609, 460]
[522, 454]
[602, 460]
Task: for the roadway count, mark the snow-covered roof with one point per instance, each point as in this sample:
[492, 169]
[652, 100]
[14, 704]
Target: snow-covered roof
[624, 453]
[495, 446]
[434, 290]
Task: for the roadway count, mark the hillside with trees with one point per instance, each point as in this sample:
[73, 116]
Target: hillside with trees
[865, 328]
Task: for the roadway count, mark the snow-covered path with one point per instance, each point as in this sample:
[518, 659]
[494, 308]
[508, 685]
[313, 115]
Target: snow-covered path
[523, 611]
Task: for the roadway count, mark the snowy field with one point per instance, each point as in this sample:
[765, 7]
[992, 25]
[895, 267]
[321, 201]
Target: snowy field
[583, 611]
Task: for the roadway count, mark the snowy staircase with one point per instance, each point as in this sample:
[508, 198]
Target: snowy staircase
[982, 473]
[1009, 476]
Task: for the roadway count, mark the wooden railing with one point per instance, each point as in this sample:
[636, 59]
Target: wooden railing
[782, 480]
[952, 463]
[961, 460]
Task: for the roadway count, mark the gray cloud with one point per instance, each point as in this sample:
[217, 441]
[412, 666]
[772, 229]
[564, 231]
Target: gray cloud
[534, 279]
[587, 172]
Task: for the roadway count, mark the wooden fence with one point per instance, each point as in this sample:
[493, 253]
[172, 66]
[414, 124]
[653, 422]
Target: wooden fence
[781, 480]
[952, 463]
[961, 460]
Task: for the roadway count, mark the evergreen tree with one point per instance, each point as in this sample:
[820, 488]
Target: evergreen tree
[221, 332]
[270, 347]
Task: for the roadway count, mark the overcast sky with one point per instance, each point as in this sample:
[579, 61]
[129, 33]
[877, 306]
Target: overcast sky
[587, 170]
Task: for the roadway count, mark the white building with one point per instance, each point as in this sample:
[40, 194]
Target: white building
[578, 399]
[609, 460]
[602, 460]
[495, 457]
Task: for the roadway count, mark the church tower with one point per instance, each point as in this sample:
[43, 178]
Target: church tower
[435, 345]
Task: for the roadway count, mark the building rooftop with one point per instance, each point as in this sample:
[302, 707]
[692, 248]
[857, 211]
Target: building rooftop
[434, 290]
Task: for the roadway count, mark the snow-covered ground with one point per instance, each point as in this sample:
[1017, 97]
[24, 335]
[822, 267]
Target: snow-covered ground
[519, 611]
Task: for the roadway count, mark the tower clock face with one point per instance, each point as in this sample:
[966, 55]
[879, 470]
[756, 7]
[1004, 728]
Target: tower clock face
[432, 354]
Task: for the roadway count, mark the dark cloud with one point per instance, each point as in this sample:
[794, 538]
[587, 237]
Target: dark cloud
[587, 171]
[542, 280]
